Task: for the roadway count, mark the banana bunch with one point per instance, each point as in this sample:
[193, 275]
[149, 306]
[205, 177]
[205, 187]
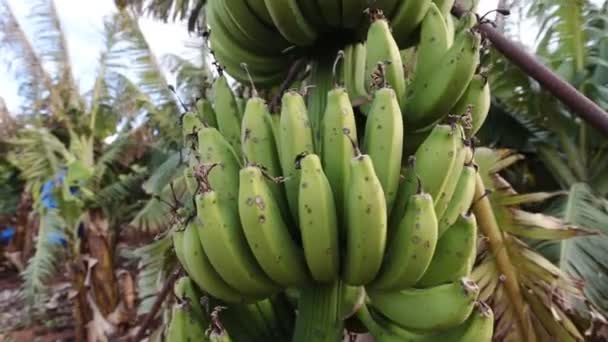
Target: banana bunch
[378, 202]
[241, 29]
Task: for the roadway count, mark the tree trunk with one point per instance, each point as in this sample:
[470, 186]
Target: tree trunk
[16, 246]
[98, 241]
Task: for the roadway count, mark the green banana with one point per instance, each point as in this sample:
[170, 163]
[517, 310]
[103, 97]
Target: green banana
[206, 113]
[411, 246]
[408, 186]
[383, 141]
[381, 48]
[358, 75]
[260, 148]
[258, 7]
[228, 118]
[296, 137]
[479, 327]
[476, 102]
[461, 200]
[291, 22]
[366, 221]
[440, 307]
[331, 11]
[434, 40]
[185, 289]
[252, 27]
[454, 255]
[244, 323]
[284, 311]
[318, 221]
[190, 124]
[222, 238]
[176, 331]
[467, 21]
[445, 7]
[218, 10]
[312, 11]
[382, 329]
[271, 319]
[338, 129]
[201, 270]
[435, 92]
[451, 182]
[214, 149]
[406, 19]
[266, 231]
[178, 246]
[347, 69]
[437, 157]
[352, 12]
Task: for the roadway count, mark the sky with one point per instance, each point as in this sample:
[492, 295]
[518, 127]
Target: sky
[83, 23]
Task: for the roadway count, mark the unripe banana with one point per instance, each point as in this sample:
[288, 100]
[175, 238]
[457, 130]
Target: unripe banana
[434, 92]
[258, 7]
[479, 327]
[454, 255]
[476, 101]
[228, 117]
[296, 137]
[445, 7]
[201, 271]
[290, 21]
[384, 330]
[266, 231]
[284, 311]
[206, 113]
[271, 320]
[461, 200]
[190, 125]
[467, 21]
[382, 48]
[434, 40]
[447, 191]
[259, 147]
[252, 27]
[366, 221]
[408, 186]
[384, 141]
[178, 246]
[348, 69]
[436, 158]
[214, 149]
[176, 331]
[440, 307]
[318, 221]
[338, 128]
[185, 290]
[358, 72]
[411, 247]
[406, 19]
[222, 237]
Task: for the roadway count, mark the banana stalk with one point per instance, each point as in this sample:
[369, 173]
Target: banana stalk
[486, 222]
[318, 317]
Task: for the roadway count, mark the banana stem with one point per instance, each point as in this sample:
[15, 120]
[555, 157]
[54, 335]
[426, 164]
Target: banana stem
[321, 78]
[318, 310]
[486, 221]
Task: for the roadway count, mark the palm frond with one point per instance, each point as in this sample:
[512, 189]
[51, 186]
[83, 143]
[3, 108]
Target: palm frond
[52, 47]
[45, 261]
[38, 155]
[150, 77]
[548, 292]
[36, 86]
[156, 262]
[585, 257]
[119, 191]
[192, 77]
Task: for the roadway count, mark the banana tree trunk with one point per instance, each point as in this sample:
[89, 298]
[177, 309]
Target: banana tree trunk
[99, 243]
[16, 248]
